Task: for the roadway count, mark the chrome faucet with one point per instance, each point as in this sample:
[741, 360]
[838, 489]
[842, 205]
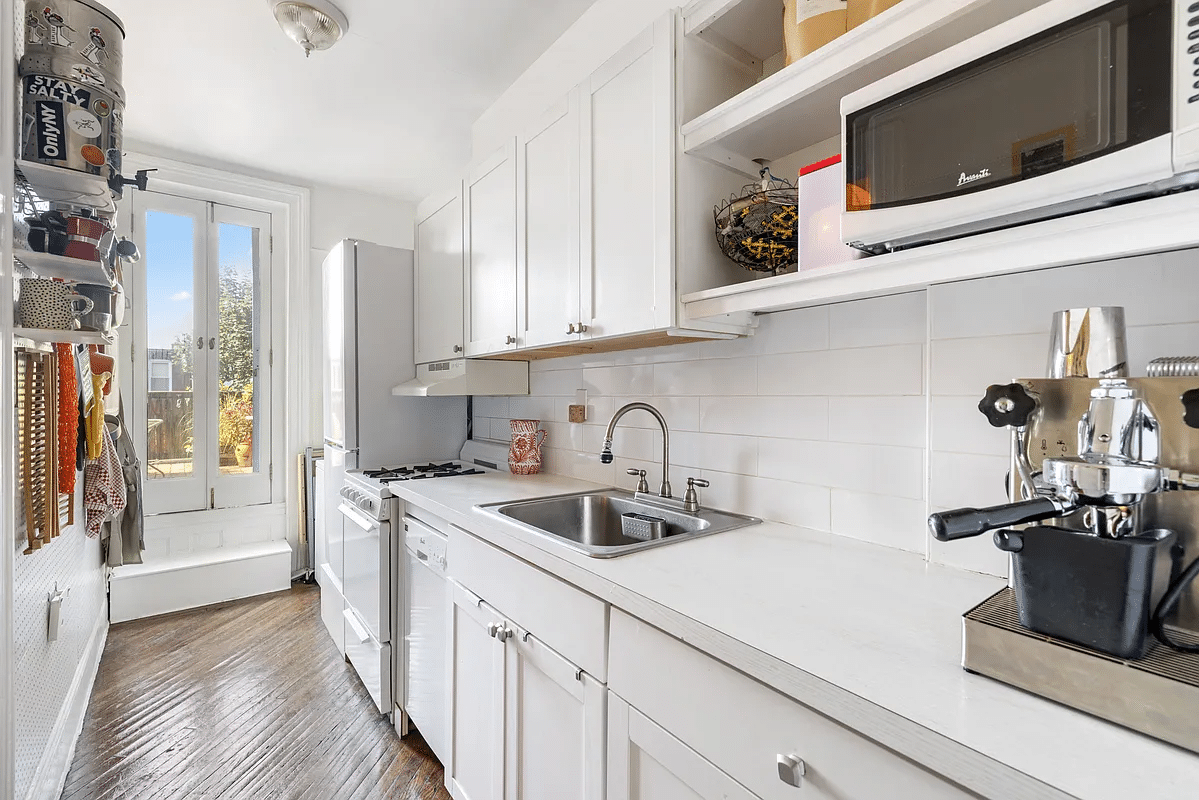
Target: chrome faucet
[606, 454]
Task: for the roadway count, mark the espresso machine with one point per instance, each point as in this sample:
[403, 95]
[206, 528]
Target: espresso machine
[1102, 608]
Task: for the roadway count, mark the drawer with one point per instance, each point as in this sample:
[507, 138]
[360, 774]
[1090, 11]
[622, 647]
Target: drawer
[742, 726]
[569, 620]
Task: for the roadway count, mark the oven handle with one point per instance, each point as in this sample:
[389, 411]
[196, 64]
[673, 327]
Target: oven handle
[355, 516]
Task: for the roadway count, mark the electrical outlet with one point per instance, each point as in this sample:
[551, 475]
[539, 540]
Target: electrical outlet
[577, 413]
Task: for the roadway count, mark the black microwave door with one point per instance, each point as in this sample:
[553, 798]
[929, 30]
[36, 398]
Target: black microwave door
[1084, 89]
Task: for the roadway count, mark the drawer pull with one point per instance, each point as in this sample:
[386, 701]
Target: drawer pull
[791, 770]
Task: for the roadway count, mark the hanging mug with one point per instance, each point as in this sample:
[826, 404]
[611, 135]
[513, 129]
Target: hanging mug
[47, 304]
[524, 454]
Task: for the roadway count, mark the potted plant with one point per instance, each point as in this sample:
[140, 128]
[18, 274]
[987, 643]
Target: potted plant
[236, 425]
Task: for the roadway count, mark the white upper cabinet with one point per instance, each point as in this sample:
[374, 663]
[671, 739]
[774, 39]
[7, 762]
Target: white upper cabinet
[490, 302]
[439, 262]
[547, 181]
[628, 144]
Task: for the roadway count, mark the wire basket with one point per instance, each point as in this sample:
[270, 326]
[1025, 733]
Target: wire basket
[758, 230]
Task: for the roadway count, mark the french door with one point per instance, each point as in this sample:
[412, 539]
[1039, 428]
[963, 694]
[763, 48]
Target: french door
[202, 351]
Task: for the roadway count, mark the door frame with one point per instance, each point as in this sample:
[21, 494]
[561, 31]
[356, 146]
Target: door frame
[293, 301]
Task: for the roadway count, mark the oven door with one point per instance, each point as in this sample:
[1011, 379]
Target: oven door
[366, 584]
[1071, 101]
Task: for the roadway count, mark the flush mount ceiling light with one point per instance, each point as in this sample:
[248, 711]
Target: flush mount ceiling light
[312, 24]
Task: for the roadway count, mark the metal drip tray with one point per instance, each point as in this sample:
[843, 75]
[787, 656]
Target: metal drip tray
[1157, 695]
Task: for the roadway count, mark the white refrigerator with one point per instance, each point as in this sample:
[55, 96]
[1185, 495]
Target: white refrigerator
[368, 349]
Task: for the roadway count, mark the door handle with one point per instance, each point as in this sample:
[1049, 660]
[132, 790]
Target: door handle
[360, 633]
[212, 343]
[200, 343]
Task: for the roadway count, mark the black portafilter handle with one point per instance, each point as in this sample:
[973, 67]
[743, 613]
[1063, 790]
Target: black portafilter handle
[963, 523]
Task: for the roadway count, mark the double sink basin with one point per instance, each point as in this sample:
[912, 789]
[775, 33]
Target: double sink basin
[594, 522]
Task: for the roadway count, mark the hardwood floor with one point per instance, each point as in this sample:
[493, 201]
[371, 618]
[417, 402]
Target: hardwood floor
[247, 699]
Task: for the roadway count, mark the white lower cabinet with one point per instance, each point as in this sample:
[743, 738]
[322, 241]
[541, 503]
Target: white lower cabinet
[526, 723]
[647, 763]
[743, 728]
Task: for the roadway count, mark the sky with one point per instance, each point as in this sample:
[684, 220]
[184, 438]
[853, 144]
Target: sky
[169, 262]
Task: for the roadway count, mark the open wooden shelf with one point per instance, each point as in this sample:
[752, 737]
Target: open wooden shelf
[77, 270]
[1155, 225]
[801, 105]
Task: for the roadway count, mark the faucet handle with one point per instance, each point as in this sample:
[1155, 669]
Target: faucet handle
[691, 499]
[642, 486]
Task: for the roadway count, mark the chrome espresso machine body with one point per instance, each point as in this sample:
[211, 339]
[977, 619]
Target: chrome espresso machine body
[1102, 608]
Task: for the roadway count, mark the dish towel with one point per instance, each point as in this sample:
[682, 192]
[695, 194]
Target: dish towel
[103, 486]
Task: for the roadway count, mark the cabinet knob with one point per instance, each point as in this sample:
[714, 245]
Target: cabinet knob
[582, 328]
[791, 770]
[510, 340]
[492, 629]
[504, 633]
[570, 328]
[457, 348]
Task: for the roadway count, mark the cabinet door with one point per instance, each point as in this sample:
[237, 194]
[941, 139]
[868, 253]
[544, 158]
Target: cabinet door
[476, 768]
[547, 182]
[647, 763]
[439, 254]
[554, 724]
[628, 147]
[490, 196]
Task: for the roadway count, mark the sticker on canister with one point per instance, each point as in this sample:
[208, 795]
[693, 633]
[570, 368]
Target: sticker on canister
[92, 155]
[102, 108]
[86, 73]
[50, 29]
[57, 89]
[97, 49]
[49, 130]
[84, 123]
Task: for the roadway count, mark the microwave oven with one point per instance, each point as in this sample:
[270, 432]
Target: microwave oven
[1074, 105]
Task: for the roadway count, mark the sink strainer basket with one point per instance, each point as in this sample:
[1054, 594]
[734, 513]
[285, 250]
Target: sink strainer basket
[758, 229]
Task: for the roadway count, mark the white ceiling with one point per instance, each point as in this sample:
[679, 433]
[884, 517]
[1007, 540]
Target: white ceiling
[387, 110]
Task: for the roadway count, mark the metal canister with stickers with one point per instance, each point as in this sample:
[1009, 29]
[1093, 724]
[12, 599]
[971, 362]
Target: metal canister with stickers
[72, 102]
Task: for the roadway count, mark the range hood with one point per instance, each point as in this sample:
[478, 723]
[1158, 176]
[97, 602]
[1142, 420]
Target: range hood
[462, 377]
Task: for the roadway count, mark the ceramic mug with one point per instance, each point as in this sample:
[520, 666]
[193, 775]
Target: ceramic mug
[50, 305]
[524, 454]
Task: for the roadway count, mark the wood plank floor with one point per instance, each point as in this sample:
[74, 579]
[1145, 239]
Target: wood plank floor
[248, 699]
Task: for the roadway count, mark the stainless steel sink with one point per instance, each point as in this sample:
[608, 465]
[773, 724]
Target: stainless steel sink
[591, 522]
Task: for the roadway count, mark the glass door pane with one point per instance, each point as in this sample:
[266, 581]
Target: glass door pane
[241, 240]
[174, 272]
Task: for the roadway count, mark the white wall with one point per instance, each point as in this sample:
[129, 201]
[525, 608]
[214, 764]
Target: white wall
[593, 39]
[857, 418]
[344, 214]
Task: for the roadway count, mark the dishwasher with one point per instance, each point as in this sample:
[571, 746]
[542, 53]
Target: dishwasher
[426, 691]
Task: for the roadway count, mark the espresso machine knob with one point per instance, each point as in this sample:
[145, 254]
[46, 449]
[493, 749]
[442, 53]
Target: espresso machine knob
[1190, 405]
[1007, 406]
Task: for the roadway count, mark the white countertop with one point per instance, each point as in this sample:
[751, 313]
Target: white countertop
[867, 635]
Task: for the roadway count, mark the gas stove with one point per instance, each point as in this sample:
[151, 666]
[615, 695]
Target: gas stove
[416, 472]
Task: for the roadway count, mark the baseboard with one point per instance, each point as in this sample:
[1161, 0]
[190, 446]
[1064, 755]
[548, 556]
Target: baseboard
[166, 585]
[51, 775]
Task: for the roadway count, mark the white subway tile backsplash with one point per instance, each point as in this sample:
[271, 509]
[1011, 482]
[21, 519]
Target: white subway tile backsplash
[559, 383]
[784, 417]
[854, 418]
[879, 371]
[491, 406]
[625, 381]
[715, 376]
[959, 427]
[877, 420]
[1153, 289]
[891, 521]
[969, 366]
[898, 319]
[957, 480]
[895, 471]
